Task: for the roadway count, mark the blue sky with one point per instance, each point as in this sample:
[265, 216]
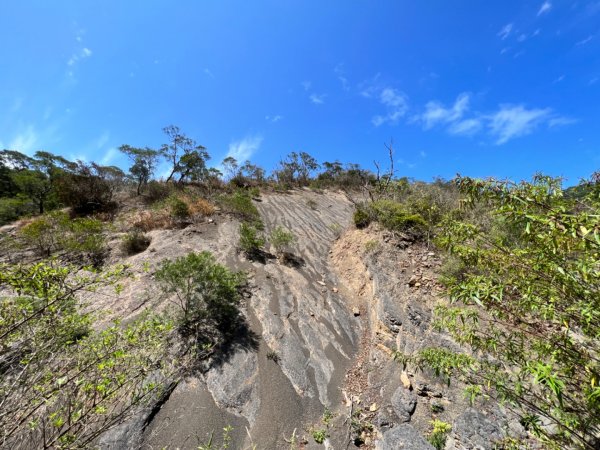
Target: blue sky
[484, 88]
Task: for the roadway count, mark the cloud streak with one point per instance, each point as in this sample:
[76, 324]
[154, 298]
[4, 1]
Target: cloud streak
[505, 31]
[273, 119]
[546, 7]
[394, 101]
[435, 113]
[243, 149]
[510, 121]
[507, 122]
[317, 99]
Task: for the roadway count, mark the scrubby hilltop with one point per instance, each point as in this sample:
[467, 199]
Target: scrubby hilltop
[342, 309]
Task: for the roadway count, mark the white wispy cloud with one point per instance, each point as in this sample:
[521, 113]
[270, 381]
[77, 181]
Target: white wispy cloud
[396, 104]
[110, 155]
[559, 79]
[465, 127]
[317, 99]
[82, 54]
[208, 73]
[546, 7]
[512, 121]
[102, 140]
[585, 41]
[561, 121]
[273, 119]
[435, 113]
[341, 76]
[507, 122]
[26, 140]
[243, 149]
[505, 31]
[306, 85]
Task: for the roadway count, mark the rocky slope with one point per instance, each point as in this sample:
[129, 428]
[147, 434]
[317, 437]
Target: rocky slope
[321, 336]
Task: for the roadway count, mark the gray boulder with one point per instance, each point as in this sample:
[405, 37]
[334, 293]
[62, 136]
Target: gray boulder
[473, 430]
[403, 437]
[404, 402]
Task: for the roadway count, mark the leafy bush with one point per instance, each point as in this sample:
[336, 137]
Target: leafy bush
[281, 238]
[438, 435]
[179, 209]
[361, 217]
[251, 240]
[319, 435]
[44, 232]
[135, 242]
[392, 215]
[80, 238]
[528, 307]
[395, 217]
[13, 208]
[86, 380]
[206, 293]
[157, 191]
[240, 204]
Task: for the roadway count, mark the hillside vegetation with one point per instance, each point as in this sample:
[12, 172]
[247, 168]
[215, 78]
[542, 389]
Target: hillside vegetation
[520, 306]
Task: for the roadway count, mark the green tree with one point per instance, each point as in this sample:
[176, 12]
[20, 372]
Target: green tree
[35, 185]
[527, 303]
[144, 163]
[185, 156]
[230, 167]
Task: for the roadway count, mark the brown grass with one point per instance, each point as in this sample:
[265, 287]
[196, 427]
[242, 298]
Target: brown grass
[199, 206]
[150, 220]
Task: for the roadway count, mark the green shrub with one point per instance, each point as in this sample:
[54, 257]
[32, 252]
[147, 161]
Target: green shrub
[53, 356]
[13, 208]
[240, 204]
[251, 240]
[254, 192]
[525, 306]
[281, 238]
[80, 238]
[44, 233]
[361, 217]
[438, 436]
[319, 435]
[85, 237]
[135, 242]
[178, 208]
[395, 217]
[157, 191]
[206, 292]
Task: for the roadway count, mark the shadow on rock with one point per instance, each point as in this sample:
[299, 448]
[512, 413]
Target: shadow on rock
[260, 256]
[291, 260]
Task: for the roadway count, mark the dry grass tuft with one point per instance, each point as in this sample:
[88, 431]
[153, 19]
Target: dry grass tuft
[199, 206]
[151, 220]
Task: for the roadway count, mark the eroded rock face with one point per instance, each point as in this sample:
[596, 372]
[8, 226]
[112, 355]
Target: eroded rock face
[404, 402]
[403, 437]
[306, 332]
[402, 293]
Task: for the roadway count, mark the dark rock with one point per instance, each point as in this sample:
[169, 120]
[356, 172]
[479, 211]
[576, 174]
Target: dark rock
[386, 417]
[474, 430]
[404, 403]
[403, 437]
